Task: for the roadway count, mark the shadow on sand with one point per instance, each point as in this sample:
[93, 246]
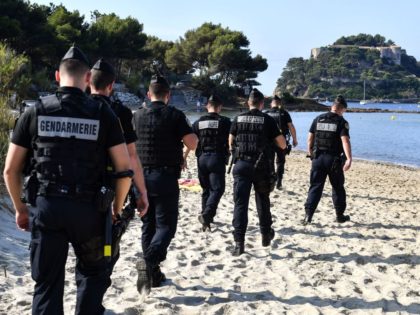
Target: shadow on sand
[351, 303]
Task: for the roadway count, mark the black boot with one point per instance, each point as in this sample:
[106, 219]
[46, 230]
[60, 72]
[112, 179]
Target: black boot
[157, 276]
[144, 279]
[204, 222]
[343, 218]
[308, 217]
[239, 249]
[267, 238]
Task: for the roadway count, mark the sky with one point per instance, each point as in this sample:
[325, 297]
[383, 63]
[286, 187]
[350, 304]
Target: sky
[277, 29]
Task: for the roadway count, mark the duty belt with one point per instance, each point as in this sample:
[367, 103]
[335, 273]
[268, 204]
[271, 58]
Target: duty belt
[77, 192]
[248, 158]
[318, 153]
[169, 169]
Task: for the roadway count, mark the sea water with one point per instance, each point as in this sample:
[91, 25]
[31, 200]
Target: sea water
[384, 137]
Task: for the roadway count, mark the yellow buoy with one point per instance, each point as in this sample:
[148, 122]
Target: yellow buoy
[393, 117]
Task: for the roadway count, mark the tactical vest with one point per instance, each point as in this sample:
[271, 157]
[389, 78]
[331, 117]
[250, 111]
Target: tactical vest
[250, 137]
[69, 159]
[211, 137]
[327, 138]
[115, 106]
[157, 145]
[278, 115]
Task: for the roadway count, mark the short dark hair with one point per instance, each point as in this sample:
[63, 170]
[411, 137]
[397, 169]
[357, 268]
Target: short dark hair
[101, 79]
[73, 67]
[214, 101]
[340, 102]
[277, 100]
[256, 97]
[158, 90]
[214, 104]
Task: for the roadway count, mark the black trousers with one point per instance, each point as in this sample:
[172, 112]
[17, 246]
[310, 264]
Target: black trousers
[244, 177]
[56, 222]
[280, 161]
[322, 166]
[211, 173]
[160, 222]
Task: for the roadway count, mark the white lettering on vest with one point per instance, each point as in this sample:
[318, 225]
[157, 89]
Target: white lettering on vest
[326, 127]
[67, 127]
[251, 119]
[208, 124]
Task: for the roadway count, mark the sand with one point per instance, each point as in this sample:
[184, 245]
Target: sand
[370, 265]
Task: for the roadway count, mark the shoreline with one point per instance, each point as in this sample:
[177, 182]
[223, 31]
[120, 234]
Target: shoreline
[369, 265]
[380, 162]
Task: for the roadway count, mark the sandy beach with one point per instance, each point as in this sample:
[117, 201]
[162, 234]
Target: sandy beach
[370, 265]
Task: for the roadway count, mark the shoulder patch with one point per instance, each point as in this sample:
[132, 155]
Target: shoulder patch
[346, 125]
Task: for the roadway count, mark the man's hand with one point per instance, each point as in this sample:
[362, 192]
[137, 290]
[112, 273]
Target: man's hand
[22, 217]
[142, 205]
[295, 142]
[115, 213]
[347, 165]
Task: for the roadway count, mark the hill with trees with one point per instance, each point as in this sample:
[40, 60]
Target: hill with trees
[343, 67]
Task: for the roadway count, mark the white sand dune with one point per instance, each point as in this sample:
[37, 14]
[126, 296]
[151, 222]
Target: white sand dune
[370, 265]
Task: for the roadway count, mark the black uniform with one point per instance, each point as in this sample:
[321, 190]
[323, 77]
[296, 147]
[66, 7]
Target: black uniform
[254, 134]
[160, 129]
[69, 135]
[212, 154]
[125, 117]
[327, 161]
[282, 118]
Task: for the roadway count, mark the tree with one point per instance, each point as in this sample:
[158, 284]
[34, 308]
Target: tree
[116, 39]
[68, 27]
[24, 27]
[214, 52]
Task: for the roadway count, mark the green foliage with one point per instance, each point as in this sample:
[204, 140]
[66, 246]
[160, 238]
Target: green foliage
[211, 53]
[216, 52]
[68, 27]
[364, 40]
[342, 71]
[6, 124]
[24, 27]
[11, 65]
[112, 37]
[12, 68]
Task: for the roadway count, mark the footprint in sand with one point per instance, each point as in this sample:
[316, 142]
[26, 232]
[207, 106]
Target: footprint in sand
[382, 269]
[195, 263]
[216, 252]
[216, 267]
[366, 281]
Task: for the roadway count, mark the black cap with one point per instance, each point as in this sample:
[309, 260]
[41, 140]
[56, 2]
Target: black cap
[215, 99]
[157, 79]
[339, 100]
[76, 54]
[256, 95]
[104, 66]
[276, 98]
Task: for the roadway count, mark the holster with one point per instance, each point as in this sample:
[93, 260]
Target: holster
[104, 198]
[30, 189]
[336, 164]
[123, 220]
[288, 148]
